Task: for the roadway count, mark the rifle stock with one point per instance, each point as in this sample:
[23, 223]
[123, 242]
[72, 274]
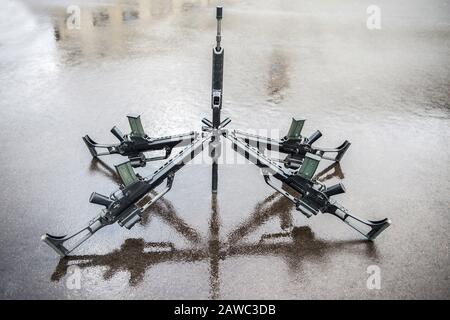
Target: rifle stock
[57, 243]
[368, 228]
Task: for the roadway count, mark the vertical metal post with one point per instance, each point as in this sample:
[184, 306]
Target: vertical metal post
[214, 249]
[216, 97]
[215, 177]
[217, 73]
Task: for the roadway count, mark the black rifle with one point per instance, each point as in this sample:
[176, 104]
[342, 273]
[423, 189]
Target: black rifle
[134, 144]
[294, 145]
[314, 196]
[216, 102]
[123, 206]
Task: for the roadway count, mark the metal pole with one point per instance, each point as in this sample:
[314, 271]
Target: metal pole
[214, 249]
[216, 98]
[217, 73]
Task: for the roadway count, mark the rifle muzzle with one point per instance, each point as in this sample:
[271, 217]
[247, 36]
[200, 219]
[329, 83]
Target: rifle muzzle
[118, 134]
[314, 137]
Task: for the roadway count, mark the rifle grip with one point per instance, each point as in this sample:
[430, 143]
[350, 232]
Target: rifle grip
[100, 199]
[334, 190]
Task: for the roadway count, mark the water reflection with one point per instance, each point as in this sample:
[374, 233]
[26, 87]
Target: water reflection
[122, 20]
[131, 257]
[100, 17]
[214, 249]
[130, 15]
[278, 77]
[325, 174]
[115, 15]
[298, 243]
[303, 245]
[56, 33]
[273, 205]
[98, 165]
[135, 257]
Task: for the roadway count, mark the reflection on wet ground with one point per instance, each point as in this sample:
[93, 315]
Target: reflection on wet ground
[325, 174]
[87, 24]
[133, 257]
[278, 77]
[386, 91]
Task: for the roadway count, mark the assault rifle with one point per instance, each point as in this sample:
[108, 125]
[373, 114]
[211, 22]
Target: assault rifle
[134, 144]
[314, 197]
[124, 205]
[295, 145]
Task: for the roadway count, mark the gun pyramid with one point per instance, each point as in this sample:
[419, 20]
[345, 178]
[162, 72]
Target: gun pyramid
[297, 170]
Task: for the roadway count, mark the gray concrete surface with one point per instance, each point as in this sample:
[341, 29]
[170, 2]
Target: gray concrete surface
[387, 91]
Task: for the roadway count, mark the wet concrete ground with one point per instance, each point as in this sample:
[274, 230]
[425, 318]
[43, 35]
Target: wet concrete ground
[387, 91]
